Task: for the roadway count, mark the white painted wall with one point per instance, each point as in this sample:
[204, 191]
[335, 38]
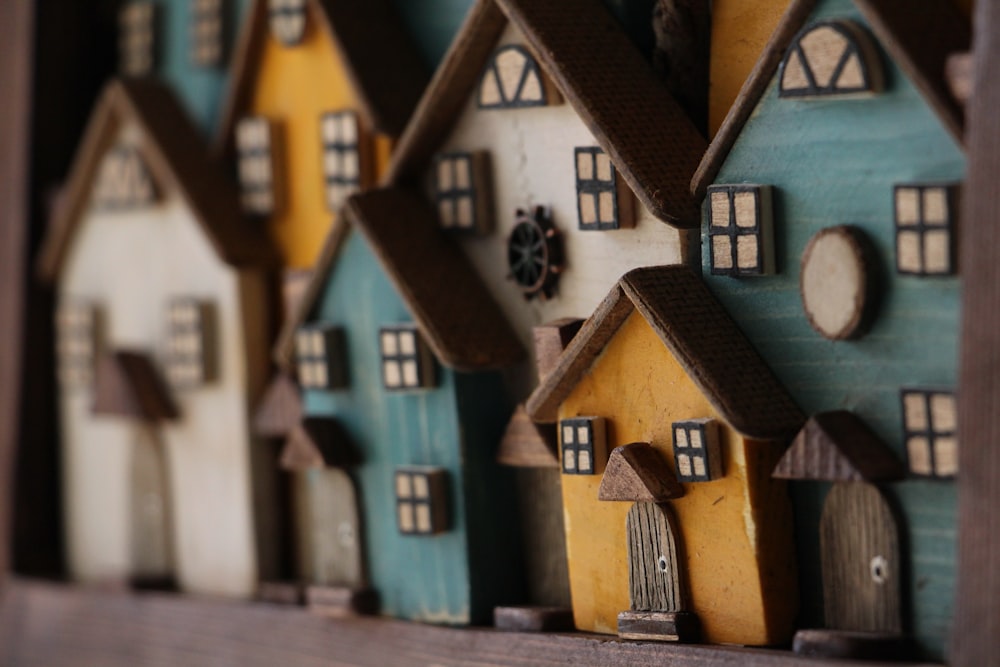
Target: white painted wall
[132, 264]
[533, 164]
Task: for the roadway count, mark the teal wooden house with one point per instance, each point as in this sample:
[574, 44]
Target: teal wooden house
[829, 233]
[186, 43]
[398, 345]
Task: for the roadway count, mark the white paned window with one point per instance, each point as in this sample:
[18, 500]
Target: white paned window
[739, 230]
[189, 335]
[596, 190]
[288, 20]
[137, 38]
[583, 441]
[123, 181]
[255, 144]
[697, 451]
[341, 131]
[421, 500]
[406, 361]
[925, 229]
[76, 343]
[830, 58]
[930, 426]
[320, 357]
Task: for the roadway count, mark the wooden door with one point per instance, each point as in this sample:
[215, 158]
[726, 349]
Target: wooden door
[654, 572]
[151, 537]
[328, 529]
[860, 557]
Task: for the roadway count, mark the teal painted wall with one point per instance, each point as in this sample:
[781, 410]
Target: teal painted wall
[835, 161]
[452, 578]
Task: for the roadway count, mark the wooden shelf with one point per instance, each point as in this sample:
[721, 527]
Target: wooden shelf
[50, 625]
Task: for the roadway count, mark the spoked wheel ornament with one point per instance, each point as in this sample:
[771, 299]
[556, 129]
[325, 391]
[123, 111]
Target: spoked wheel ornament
[535, 254]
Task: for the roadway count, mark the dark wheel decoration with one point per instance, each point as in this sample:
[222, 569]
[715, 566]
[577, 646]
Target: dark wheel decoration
[535, 254]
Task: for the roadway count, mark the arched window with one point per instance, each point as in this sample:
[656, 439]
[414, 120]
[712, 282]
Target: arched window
[512, 79]
[830, 58]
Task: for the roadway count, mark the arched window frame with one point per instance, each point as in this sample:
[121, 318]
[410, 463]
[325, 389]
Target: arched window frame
[547, 95]
[858, 43]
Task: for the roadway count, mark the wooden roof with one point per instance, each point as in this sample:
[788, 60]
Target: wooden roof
[127, 384]
[918, 34]
[701, 337]
[429, 272]
[638, 473]
[383, 64]
[838, 447]
[177, 156]
[280, 409]
[650, 139]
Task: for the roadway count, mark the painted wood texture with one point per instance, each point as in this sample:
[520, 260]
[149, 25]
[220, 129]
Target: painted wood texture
[862, 562]
[294, 87]
[207, 452]
[68, 626]
[810, 152]
[735, 530]
[532, 153]
[328, 528]
[655, 570]
[977, 608]
[151, 529]
[740, 29]
[458, 576]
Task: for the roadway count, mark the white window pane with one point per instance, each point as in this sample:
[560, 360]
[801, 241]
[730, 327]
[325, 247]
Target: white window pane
[410, 377]
[603, 167]
[908, 252]
[720, 209]
[444, 179]
[944, 413]
[907, 206]
[407, 343]
[318, 344]
[583, 461]
[915, 412]
[585, 166]
[568, 435]
[446, 213]
[937, 251]
[935, 206]
[463, 173]
[722, 254]
[588, 208]
[745, 204]
[423, 518]
[421, 489]
[569, 460]
[348, 128]
[406, 520]
[747, 256]
[319, 374]
[392, 374]
[350, 170]
[390, 346]
[919, 454]
[695, 437]
[404, 489]
[683, 465]
[464, 217]
[699, 466]
[946, 456]
[583, 435]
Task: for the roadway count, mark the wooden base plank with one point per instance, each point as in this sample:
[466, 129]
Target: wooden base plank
[533, 619]
[281, 592]
[852, 645]
[340, 601]
[661, 626]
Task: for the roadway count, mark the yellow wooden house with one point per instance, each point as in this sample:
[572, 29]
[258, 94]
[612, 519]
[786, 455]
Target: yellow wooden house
[661, 363]
[319, 91]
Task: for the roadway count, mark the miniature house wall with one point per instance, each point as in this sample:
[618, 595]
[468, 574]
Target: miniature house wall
[866, 160]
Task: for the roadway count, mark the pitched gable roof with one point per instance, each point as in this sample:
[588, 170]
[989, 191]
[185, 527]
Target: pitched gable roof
[918, 34]
[455, 313]
[127, 384]
[701, 337]
[383, 65]
[838, 447]
[280, 409]
[638, 473]
[652, 142]
[173, 149]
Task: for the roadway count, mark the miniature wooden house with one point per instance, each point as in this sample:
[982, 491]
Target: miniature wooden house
[162, 321]
[384, 346]
[319, 91]
[660, 363]
[829, 234]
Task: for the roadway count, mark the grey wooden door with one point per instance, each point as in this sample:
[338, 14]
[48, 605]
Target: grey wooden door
[329, 535]
[860, 557]
[654, 572]
[151, 539]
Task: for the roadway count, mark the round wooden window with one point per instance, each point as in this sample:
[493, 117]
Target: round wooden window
[835, 282]
[534, 254]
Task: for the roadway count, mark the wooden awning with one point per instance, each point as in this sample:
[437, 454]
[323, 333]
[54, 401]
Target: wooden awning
[638, 473]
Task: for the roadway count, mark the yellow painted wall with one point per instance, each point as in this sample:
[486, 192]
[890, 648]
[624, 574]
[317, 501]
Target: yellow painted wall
[740, 30]
[736, 531]
[295, 86]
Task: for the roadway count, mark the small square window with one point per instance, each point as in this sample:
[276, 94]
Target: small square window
[340, 133]
[462, 191]
[406, 361]
[137, 39]
[740, 230]
[77, 337]
[930, 425]
[320, 357]
[583, 444]
[288, 20]
[189, 339]
[207, 32]
[123, 182]
[924, 229]
[421, 500]
[600, 201]
[697, 450]
[255, 142]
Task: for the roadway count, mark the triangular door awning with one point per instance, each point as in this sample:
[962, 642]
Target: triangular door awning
[838, 447]
[638, 473]
[526, 444]
[317, 442]
[128, 385]
[280, 410]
